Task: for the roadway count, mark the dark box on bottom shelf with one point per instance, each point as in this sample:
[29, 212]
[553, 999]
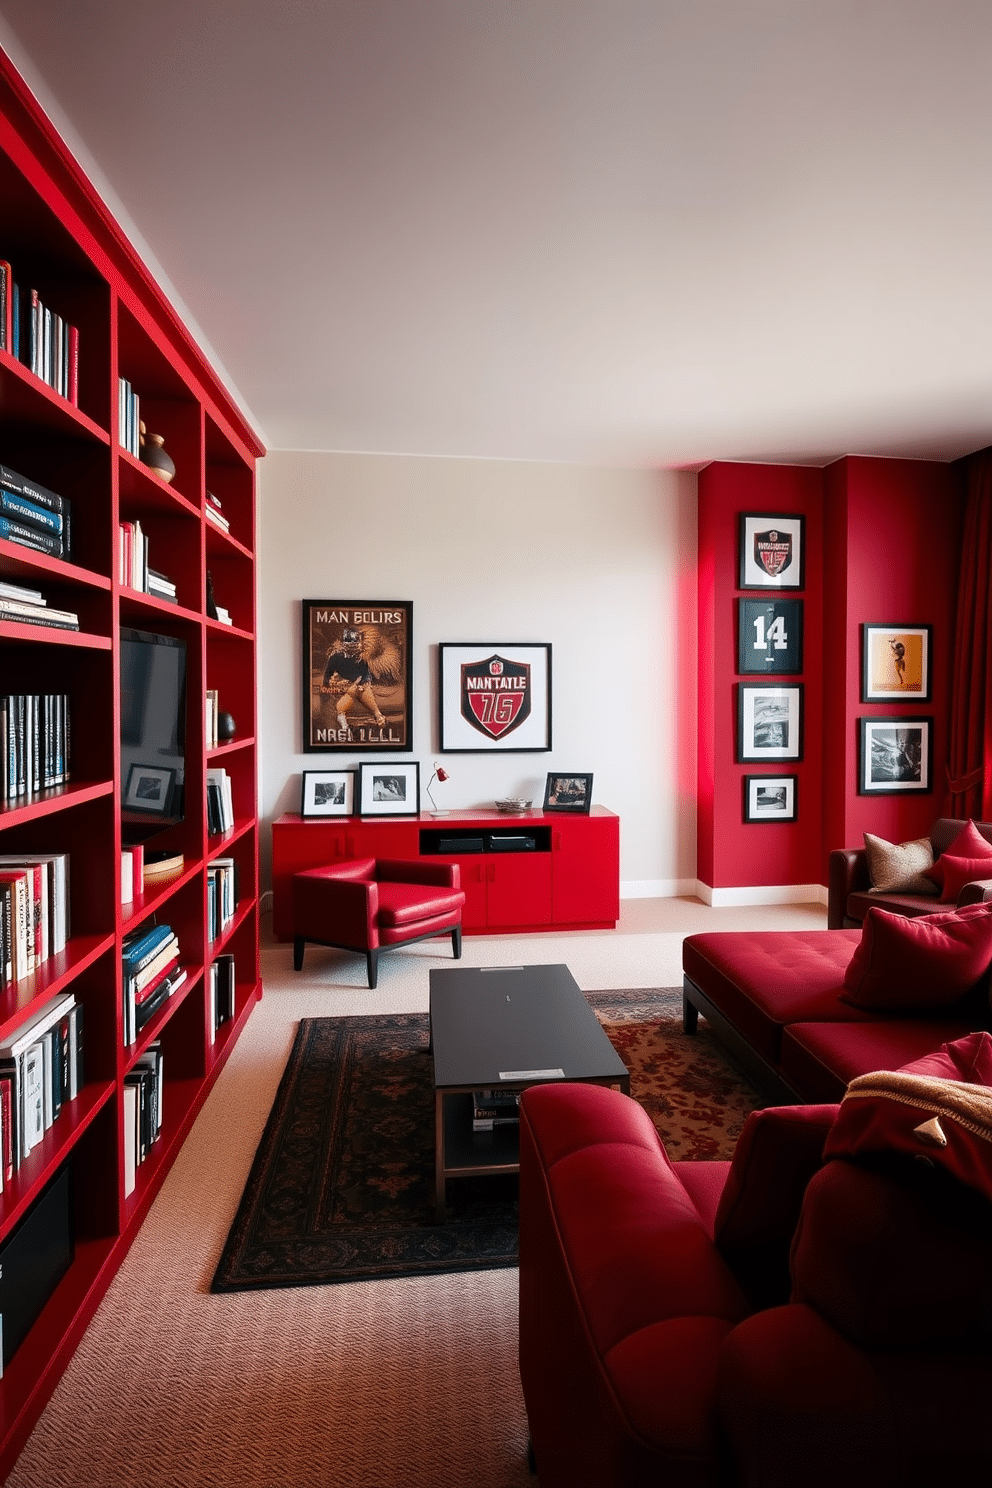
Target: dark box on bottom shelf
[33, 1260]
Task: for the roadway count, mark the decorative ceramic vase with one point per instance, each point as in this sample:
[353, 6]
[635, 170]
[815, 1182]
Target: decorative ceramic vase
[226, 726]
[153, 454]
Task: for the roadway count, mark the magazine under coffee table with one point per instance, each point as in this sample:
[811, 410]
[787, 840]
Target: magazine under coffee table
[505, 1027]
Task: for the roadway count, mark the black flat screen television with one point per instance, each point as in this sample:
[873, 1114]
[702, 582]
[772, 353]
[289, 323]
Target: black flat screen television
[153, 733]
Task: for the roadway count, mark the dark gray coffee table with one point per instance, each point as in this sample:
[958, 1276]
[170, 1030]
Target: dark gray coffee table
[510, 1026]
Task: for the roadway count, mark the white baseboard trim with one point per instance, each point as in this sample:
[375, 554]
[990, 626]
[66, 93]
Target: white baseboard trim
[761, 894]
[658, 888]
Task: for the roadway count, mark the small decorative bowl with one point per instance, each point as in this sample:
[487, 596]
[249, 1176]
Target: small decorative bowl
[513, 805]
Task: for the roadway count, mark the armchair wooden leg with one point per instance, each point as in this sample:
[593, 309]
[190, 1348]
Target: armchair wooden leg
[456, 942]
[298, 945]
[372, 961]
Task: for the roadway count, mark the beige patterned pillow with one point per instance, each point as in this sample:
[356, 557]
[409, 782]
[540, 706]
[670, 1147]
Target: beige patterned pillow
[898, 868]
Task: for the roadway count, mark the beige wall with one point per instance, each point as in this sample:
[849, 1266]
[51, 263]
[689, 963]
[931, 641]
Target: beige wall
[600, 562]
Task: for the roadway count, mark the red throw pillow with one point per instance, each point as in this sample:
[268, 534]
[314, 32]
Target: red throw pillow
[925, 962]
[960, 871]
[968, 844]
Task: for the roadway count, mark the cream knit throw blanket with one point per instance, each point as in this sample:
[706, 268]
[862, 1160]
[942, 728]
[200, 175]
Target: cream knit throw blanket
[968, 1105]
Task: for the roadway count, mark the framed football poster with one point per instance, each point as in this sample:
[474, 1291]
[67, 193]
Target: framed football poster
[770, 636]
[495, 697]
[357, 675]
[772, 550]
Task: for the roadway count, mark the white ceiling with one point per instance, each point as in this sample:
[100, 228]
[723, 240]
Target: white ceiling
[581, 230]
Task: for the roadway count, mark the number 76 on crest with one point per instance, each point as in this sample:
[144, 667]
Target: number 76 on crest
[769, 636]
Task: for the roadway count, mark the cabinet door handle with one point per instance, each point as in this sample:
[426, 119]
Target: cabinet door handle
[491, 875]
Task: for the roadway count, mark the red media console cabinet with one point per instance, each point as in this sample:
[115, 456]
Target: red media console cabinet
[538, 871]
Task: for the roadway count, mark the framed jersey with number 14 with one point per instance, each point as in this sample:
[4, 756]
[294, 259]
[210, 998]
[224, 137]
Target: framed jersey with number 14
[770, 636]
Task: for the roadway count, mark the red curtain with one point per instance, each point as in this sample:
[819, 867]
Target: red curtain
[969, 764]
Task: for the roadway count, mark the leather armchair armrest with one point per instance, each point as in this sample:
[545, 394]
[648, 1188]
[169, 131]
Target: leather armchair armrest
[341, 910]
[979, 892]
[847, 873]
[420, 871]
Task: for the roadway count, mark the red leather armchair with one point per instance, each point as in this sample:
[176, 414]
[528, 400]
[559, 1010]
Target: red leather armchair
[374, 904]
[849, 891]
[663, 1340]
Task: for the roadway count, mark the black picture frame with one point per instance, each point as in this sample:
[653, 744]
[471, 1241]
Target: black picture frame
[895, 756]
[771, 798]
[895, 663]
[769, 721]
[770, 636]
[389, 788]
[328, 793]
[566, 791]
[772, 550]
[149, 788]
[382, 654]
[494, 697]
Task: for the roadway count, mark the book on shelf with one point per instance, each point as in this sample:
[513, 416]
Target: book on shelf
[133, 557]
[6, 307]
[42, 1065]
[147, 959]
[223, 992]
[26, 489]
[222, 896]
[34, 743]
[220, 802]
[22, 612]
[211, 713]
[128, 417]
[168, 983]
[18, 591]
[22, 510]
[26, 536]
[143, 1107]
[216, 516]
[493, 1108]
[40, 338]
[160, 586]
[51, 896]
[132, 873]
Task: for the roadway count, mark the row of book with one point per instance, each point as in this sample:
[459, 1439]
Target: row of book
[220, 802]
[34, 743]
[222, 896]
[222, 992]
[144, 1088]
[133, 568]
[211, 715]
[494, 1108]
[128, 417]
[215, 513]
[22, 606]
[151, 974]
[41, 1068]
[34, 912]
[37, 336]
[33, 516]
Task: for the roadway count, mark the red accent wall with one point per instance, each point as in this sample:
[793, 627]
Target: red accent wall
[882, 545]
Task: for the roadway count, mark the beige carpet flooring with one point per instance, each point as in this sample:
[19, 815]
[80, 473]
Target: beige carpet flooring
[390, 1384]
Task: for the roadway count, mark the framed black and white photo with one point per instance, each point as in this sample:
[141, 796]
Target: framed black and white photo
[357, 675]
[772, 551]
[568, 792]
[149, 788]
[770, 636]
[495, 697]
[328, 793]
[769, 721]
[389, 788]
[895, 663]
[894, 755]
[770, 798]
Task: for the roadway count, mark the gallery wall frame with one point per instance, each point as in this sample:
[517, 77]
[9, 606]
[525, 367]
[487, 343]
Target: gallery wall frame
[494, 697]
[895, 663]
[771, 798]
[772, 550]
[894, 755]
[389, 788]
[770, 636]
[769, 721]
[357, 675]
[328, 793]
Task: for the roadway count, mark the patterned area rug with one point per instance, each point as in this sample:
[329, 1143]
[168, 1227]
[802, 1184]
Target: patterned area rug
[342, 1185]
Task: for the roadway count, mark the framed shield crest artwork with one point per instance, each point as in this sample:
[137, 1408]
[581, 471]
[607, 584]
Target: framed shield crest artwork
[772, 551]
[494, 697]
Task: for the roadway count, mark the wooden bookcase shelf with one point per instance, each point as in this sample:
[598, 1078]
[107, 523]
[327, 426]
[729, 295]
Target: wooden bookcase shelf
[61, 240]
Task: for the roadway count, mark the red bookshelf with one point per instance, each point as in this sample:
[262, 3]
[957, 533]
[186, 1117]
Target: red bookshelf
[61, 240]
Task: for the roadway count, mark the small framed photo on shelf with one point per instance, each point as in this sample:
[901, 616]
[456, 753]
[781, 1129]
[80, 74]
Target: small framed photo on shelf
[894, 755]
[769, 721]
[495, 697]
[568, 793]
[895, 663]
[772, 551]
[149, 788]
[770, 798]
[389, 788]
[770, 636]
[328, 793]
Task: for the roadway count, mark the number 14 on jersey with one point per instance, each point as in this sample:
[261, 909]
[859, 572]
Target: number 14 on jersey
[770, 636]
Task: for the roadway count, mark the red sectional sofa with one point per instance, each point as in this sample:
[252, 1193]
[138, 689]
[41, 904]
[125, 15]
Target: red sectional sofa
[778, 1000]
